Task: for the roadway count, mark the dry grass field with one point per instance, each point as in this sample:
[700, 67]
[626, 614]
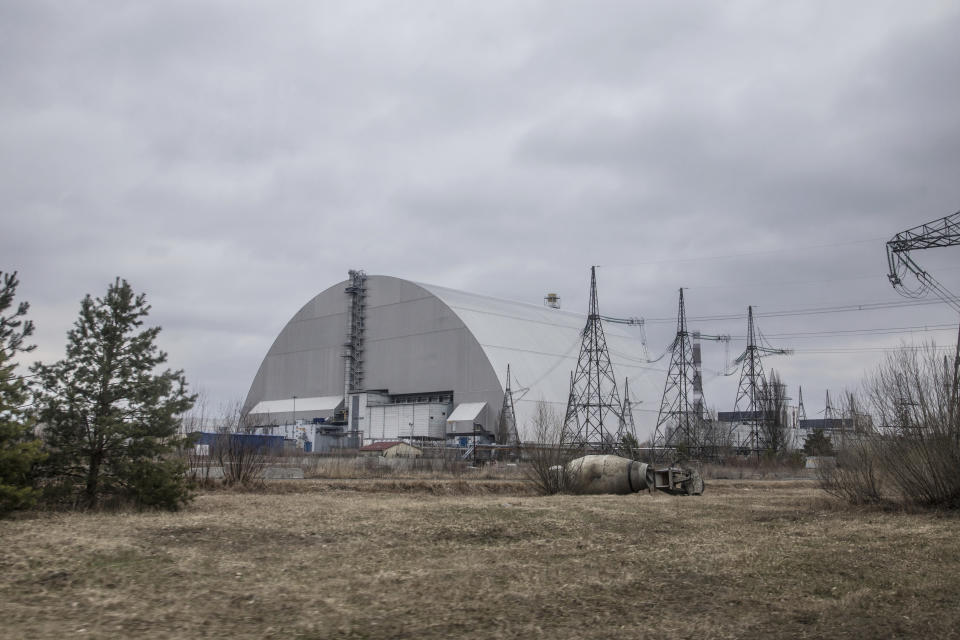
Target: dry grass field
[440, 559]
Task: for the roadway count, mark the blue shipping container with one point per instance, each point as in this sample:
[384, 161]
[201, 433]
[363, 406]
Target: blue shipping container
[261, 443]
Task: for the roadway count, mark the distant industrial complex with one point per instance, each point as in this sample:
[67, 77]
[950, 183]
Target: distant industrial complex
[377, 358]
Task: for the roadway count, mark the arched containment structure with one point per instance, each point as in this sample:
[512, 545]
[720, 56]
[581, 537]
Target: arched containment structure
[424, 361]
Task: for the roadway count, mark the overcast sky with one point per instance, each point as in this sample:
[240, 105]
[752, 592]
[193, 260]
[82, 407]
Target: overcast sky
[234, 159]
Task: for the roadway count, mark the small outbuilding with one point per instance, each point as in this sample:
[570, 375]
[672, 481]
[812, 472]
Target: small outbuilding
[466, 419]
[820, 462]
[391, 449]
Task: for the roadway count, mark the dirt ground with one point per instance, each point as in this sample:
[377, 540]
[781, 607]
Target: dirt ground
[335, 559]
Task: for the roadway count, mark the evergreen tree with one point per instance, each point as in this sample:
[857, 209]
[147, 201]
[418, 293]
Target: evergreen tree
[628, 445]
[110, 419]
[818, 444]
[19, 451]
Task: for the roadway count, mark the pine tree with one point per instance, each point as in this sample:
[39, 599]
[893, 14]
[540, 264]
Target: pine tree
[817, 444]
[110, 419]
[19, 451]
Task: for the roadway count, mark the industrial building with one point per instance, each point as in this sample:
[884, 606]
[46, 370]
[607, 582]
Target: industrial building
[740, 425]
[379, 358]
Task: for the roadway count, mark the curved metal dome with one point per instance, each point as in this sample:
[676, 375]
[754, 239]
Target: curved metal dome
[422, 338]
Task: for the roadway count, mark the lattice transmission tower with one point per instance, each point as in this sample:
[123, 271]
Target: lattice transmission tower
[681, 421]
[943, 232]
[801, 410]
[751, 390]
[507, 429]
[565, 435]
[830, 422]
[594, 417]
[629, 425]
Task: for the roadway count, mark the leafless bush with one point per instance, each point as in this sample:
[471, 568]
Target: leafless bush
[924, 468]
[774, 429]
[197, 417]
[734, 467]
[912, 454]
[717, 438]
[202, 416]
[547, 457]
[857, 473]
[708, 441]
[242, 458]
[200, 466]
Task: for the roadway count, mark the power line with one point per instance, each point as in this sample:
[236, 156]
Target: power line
[909, 347]
[784, 283]
[866, 306]
[859, 332]
[804, 335]
[744, 254]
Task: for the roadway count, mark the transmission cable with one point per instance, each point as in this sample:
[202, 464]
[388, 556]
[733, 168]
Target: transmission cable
[867, 306]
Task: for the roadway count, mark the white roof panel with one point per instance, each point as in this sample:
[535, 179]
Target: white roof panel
[466, 412]
[320, 403]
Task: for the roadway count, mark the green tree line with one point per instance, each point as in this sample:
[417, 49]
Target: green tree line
[98, 427]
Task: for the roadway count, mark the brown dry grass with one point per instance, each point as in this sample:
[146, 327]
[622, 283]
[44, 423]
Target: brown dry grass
[379, 467]
[335, 559]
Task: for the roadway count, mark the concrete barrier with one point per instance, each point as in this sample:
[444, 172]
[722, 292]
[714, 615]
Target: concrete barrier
[283, 473]
[200, 473]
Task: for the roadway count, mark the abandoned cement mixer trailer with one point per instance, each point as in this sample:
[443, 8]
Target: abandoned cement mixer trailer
[595, 474]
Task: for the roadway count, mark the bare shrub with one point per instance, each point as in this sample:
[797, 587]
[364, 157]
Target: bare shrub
[242, 458]
[770, 467]
[718, 440]
[547, 456]
[905, 447]
[857, 474]
[200, 465]
[774, 429]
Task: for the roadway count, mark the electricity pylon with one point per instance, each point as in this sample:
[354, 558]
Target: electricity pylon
[594, 417]
[751, 399]
[943, 232]
[829, 422]
[507, 429]
[629, 426]
[680, 422]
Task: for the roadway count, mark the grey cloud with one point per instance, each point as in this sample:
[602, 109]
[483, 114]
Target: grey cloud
[232, 161]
